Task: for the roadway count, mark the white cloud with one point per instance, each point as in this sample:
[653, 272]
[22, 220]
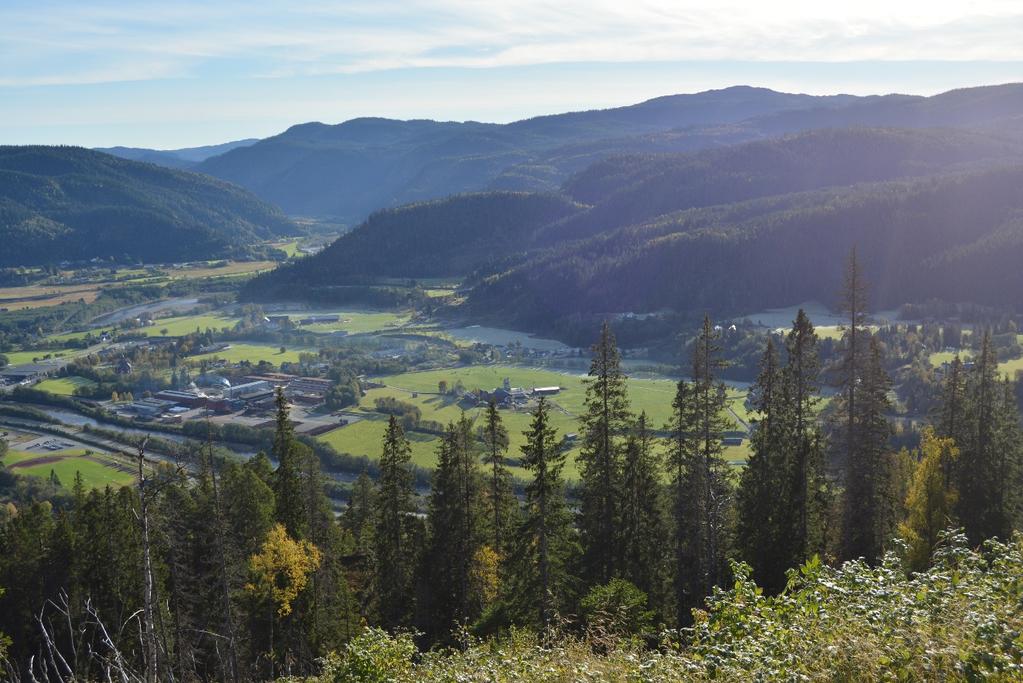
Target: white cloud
[74, 42]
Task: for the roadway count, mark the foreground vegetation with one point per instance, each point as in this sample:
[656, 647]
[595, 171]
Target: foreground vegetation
[959, 620]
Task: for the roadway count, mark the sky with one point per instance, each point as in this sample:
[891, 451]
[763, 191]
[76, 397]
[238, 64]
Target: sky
[180, 73]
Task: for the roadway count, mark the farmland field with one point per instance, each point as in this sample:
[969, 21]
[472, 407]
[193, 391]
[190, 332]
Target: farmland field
[364, 438]
[97, 470]
[355, 322]
[186, 324]
[230, 269]
[38, 296]
[64, 386]
[23, 357]
[253, 353]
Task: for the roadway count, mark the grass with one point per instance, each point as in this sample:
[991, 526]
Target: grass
[238, 352]
[64, 386]
[356, 322]
[179, 326]
[289, 248]
[364, 438]
[23, 357]
[39, 296]
[1007, 368]
[651, 395]
[231, 268]
[97, 470]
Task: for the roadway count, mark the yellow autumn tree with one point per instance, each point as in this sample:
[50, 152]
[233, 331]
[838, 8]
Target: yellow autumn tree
[484, 575]
[281, 568]
[930, 499]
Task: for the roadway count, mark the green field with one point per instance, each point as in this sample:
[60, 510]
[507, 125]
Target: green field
[1010, 367]
[97, 470]
[64, 386]
[1007, 368]
[364, 438]
[23, 357]
[356, 322]
[289, 248]
[651, 395]
[187, 324]
[253, 353]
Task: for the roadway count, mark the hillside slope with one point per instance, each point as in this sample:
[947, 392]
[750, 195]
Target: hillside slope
[68, 203]
[958, 237]
[443, 238]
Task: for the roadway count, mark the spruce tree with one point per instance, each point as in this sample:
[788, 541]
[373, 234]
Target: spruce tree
[501, 504]
[605, 421]
[455, 533]
[393, 531]
[643, 528]
[807, 494]
[540, 578]
[701, 480]
[869, 517]
[681, 465]
[289, 492]
[764, 508]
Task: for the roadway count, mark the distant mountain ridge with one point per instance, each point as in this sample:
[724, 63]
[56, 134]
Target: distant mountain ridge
[186, 157]
[351, 169]
[70, 203]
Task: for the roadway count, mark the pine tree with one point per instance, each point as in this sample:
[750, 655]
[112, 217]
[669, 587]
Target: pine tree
[393, 531]
[869, 517]
[540, 577]
[604, 423]
[501, 502]
[644, 531]
[764, 508]
[701, 478]
[682, 467]
[854, 303]
[808, 496]
[455, 532]
[289, 491]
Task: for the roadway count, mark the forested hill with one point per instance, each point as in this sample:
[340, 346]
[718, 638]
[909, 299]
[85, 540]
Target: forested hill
[957, 237]
[69, 203]
[442, 238]
[707, 231]
[351, 169]
[626, 190]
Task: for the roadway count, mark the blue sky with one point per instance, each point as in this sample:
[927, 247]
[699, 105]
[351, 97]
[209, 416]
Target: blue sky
[185, 72]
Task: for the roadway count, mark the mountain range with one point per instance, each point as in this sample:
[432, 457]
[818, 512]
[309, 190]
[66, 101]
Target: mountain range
[932, 199]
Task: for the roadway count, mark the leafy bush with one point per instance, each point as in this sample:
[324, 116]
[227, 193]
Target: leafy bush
[617, 608]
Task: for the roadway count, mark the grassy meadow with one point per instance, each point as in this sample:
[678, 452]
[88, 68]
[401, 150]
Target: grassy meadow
[97, 470]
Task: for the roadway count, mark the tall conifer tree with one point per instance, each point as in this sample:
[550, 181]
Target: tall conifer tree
[604, 424]
[394, 531]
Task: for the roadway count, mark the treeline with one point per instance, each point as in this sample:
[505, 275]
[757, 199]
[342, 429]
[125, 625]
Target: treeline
[248, 575]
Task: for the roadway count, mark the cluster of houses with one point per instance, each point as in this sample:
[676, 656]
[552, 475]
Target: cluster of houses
[507, 396]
